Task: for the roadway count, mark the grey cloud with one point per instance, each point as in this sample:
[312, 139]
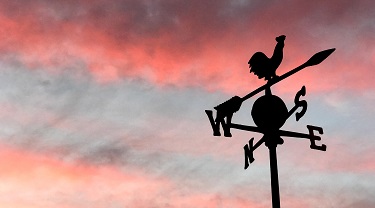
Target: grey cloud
[132, 125]
[163, 131]
[129, 124]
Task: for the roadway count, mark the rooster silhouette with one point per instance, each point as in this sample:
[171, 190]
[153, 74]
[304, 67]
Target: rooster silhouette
[265, 67]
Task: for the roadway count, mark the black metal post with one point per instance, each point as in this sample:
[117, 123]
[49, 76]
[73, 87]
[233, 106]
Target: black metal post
[274, 177]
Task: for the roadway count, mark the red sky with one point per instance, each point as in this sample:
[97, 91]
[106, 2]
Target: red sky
[103, 102]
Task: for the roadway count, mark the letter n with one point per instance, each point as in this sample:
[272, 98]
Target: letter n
[248, 150]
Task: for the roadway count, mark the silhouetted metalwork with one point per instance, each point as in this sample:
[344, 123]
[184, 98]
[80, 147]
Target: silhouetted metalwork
[269, 112]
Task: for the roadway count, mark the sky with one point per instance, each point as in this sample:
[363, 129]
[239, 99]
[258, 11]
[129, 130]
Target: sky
[102, 103]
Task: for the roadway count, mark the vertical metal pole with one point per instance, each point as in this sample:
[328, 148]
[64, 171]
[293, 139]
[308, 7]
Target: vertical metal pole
[274, 177]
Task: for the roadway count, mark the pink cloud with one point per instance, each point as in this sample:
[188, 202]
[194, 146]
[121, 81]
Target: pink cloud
[55, 183]
[192, 45]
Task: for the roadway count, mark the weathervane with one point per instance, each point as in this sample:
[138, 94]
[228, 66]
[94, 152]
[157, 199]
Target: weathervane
[269, 112]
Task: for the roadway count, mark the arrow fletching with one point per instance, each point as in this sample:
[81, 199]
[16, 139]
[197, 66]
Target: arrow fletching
[319, 57]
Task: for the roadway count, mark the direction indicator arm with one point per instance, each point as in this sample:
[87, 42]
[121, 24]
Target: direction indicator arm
[311, 136]
[314, 60]
[246, 128]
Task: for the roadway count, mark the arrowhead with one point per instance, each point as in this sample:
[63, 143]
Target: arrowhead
[319, 57]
